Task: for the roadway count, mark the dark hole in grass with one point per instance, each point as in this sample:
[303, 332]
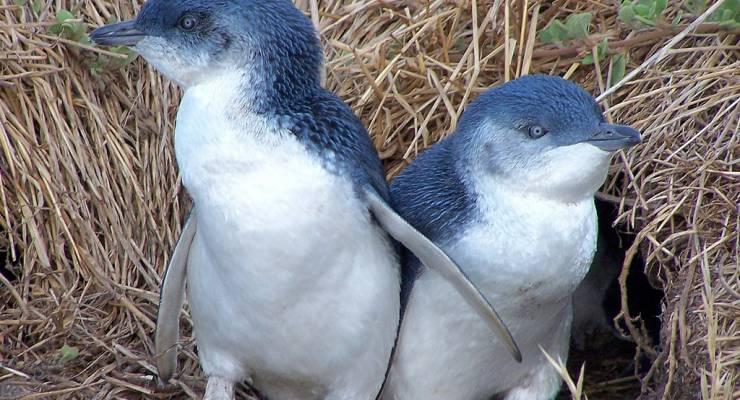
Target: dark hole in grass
[9, 268]
[612, 369]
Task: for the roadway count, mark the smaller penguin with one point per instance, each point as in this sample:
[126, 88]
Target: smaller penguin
[510, 197]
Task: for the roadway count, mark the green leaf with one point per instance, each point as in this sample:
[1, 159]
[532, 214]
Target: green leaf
[78, 29]
[63, 15]
[696, 7]
[130, 55]
[601, 51]
[730, 25]
[19, 2]
[84, 38]
[97, 67]
[547, 37]
[618, 67]
[602, 48]
[68, 353]
[677, 18]
[577, 25]
[660, 6]
[554, 32]
[727, 13]
[68, 28]
[644, 20]
[627, 14]
[460, 44]
[733, 5]
[642, 10]
[36, 6]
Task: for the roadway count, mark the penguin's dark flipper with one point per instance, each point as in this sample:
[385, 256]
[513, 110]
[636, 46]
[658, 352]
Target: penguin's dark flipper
[434, 258]
[171, 298]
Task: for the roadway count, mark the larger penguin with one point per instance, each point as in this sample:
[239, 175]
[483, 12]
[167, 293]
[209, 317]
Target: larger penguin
[291, 280]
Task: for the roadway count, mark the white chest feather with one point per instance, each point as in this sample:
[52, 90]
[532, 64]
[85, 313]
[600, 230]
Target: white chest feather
[529, 247]
[287, 272]
[527, 257]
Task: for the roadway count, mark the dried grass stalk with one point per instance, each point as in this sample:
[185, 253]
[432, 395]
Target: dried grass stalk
[90, 202]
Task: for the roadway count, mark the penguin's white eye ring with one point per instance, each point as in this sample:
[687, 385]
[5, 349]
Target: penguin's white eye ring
[188, 22]
[536, 131]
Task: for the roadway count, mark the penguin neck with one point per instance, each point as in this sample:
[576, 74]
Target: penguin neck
[223, 105]
[254, 88]
[503, 201]
[217, 123]
[275, 84]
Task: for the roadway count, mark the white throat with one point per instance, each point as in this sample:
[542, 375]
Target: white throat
[526, 237]
[216, 132]
[567, 174]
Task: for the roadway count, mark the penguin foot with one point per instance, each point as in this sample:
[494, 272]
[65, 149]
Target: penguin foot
[219, 388]
[543, 384]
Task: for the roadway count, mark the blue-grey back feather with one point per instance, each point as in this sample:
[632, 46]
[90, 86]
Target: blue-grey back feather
[329, 128]
[433, 195]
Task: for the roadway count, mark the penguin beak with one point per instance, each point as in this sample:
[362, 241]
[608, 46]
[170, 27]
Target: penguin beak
[614, 137]
[120, 34]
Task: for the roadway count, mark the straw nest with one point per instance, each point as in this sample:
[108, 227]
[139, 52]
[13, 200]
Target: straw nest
[91, 205]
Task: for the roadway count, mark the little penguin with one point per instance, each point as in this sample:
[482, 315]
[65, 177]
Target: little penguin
[510, 197]
[288, 256]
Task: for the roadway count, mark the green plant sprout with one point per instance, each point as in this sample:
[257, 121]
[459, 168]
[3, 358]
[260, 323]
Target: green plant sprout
[618, 66]
[601, 52]
[727, 15]
[71, 28]
[68, 353]
[35, 6]
[617, 62]
[103, 61]
[574, 27]
[642, 12]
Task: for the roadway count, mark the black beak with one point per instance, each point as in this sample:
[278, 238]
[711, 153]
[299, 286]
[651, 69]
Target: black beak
[120, 34]
[614, 137]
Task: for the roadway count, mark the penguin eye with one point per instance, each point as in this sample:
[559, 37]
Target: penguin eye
[536, 131]
[188, 22]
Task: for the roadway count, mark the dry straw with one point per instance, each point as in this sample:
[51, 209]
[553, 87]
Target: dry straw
[90, 202]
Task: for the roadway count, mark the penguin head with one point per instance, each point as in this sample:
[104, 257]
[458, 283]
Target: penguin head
[543, 135]
[191, 41]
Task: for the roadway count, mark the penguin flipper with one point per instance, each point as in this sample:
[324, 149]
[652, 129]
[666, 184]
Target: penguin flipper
[434, 258]
[171, 298]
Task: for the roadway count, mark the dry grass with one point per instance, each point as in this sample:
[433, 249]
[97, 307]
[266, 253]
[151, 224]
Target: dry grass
[90, 202]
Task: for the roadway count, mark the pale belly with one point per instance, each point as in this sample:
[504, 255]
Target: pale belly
[468, 360]
[528, 281]
[290, 282]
